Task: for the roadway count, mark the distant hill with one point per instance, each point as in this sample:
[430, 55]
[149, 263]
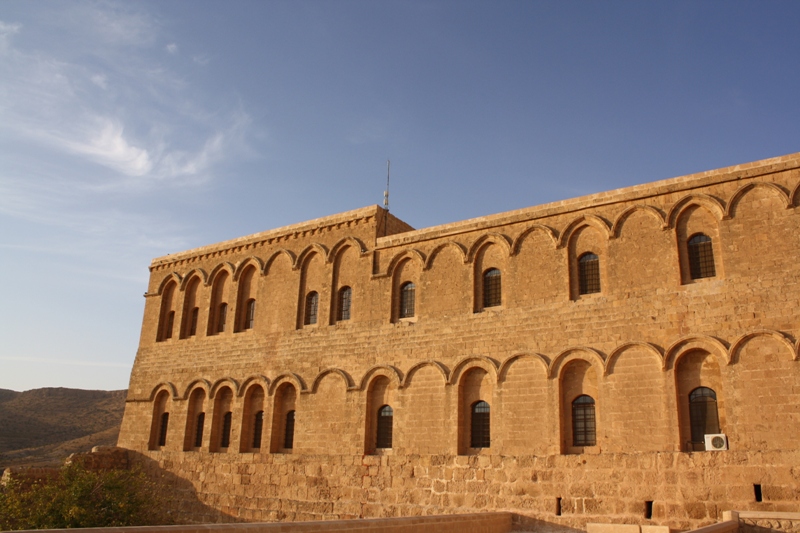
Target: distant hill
[44, 426]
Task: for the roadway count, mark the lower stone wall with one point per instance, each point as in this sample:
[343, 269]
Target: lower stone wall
[550, 493]
[765, 522]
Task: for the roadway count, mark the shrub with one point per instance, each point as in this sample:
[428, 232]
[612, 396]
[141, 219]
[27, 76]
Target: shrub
[79, 497]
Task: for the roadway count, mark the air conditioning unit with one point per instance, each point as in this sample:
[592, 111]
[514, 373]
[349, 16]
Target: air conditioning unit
[716, 442]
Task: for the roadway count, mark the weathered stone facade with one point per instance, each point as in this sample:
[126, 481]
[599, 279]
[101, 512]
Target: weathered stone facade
[598, 330]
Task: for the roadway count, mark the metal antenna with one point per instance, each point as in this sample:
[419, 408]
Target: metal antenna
[386, 200]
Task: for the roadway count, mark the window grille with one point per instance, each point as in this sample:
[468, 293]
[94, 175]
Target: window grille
[701, 257]
[225, 438]
[288, 434]
[250, 316]
[703, 413]
[221, 317]
[385, 420]
[588, 274]
[258, 426]
[198, 430]
[162, 430]
[407, 298]
[193, 323]
[584, 429]
[491, 288]
[312, 306]
[345, 301]
[170, 323]
[480, 436]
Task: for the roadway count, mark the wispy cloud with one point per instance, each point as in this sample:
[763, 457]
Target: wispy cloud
[6, 31]
[172, 48]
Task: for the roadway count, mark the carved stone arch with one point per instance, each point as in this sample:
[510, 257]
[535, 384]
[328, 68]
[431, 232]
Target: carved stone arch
[550, 232]
[394, 375]
[220, 383]
[171, 276]
[244, 263]
[730, 209]
[225, 265]
[276, 254]
[342, 245]
[436, 364]
[739, 343]
[290, 377]
[457, 245]
[408, 254]
[474, 361]
[685, 344]
[712, 205]
[199, 273]
[612, 357]
[164, 385]
[312, 248]
[506, 365]
[582, 221]
[489, 238]
[590, 355]
[348, 381]
[650, 210]
[256, 379]
[200, 382]
[794, 198]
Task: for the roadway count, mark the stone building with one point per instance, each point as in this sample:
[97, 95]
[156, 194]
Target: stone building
[570, 362]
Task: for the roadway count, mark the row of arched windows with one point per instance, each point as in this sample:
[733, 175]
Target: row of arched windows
[703, 418]
[700, 258]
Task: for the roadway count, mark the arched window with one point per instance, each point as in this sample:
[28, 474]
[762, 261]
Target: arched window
[250, 316]
[225, 435]
[312, 306]
[584, 427]
[170, 324]
[345, 301]
[166, 317]
[588, 274]
[701, 257]
[385, 418]
[288, 435]
[703, 413]
[198, 432]
[162, 430]
[491, 288]
[407, 298]
[480, 435]
[193, 321]
[258, 426]
[222, 313]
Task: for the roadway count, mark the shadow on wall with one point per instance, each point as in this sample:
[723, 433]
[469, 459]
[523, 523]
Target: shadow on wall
[186, 506]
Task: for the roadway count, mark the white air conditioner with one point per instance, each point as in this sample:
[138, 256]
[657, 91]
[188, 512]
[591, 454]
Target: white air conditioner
[716, 442]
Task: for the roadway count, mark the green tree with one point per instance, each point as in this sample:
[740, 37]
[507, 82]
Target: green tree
[79, 497]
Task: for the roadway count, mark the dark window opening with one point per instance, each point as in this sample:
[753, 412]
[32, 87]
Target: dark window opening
[407, 297]
[558, 506]
[588, 274]
[584, 430]
[288, 435]
[222, 314]
[250, 316]
[648, 510]
[385, 419]
[170, 323]
[193, 323]
[312, 306]
[701, 257]
[258, 426]
[225, 438]
[480, 436]
[345, 302]
[757, 491]
[198, 430]
[492, 293]
[162, 430]
[703, 414]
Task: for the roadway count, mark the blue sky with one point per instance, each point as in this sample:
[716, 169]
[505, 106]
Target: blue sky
[129, 130]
